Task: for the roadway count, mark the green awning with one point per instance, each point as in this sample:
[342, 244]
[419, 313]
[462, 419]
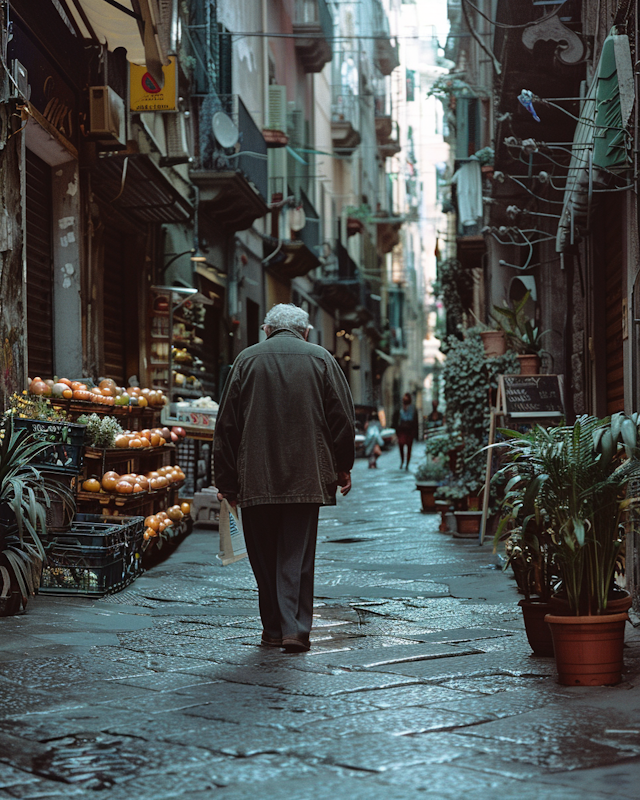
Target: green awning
[601, 141]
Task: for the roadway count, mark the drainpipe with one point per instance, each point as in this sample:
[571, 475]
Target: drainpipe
[265, 64]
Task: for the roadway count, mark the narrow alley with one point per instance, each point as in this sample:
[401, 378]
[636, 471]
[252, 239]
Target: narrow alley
[420, 681]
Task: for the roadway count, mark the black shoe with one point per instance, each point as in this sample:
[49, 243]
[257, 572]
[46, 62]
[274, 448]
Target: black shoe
[293, 644]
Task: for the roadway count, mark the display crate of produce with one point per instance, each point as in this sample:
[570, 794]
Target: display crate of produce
[86, 571]
[67, 438]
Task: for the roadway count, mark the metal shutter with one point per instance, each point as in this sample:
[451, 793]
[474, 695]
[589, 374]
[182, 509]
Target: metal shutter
[612, 235]
[39, 268]
[114, 288]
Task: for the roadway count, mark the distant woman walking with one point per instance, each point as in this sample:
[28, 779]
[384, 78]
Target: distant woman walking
[405, 422]
[373, 441]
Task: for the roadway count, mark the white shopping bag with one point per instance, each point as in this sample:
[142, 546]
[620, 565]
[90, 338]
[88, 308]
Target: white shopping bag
[232, 546]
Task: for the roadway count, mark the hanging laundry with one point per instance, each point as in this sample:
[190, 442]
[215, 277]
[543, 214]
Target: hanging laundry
[468, 180]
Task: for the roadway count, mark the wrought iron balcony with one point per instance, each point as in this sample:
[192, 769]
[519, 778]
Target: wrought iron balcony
[343, 289]
[313, 28]
[389, 145]
[385, 52]
[383, 117]
[233, 180]
[298, 255]
[345, 120]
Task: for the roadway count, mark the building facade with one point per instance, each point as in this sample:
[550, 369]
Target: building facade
[542, 105]
[255, 152]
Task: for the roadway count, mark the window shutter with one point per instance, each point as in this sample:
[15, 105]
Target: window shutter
[295, 126]
[277, 117]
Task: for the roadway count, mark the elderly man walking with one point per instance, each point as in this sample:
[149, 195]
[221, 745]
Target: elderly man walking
[284, 442]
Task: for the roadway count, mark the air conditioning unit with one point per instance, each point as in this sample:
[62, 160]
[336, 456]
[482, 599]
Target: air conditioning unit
[177, 140]
[106, 118]
[19, 87]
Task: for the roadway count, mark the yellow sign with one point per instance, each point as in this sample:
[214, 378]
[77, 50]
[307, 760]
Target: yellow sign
[146, 95]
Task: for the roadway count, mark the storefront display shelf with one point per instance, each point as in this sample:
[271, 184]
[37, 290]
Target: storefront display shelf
[118, 453]
[132, 498]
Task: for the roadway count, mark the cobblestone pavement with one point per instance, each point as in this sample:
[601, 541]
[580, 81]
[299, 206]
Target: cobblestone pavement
[419, 682]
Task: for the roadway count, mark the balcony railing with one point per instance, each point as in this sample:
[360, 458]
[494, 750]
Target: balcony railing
[314, 12]
[345, 106]
[385, 49]
[345, 119]
[233, 178]
[383, 105]
[312, 19]
[389, 145]
[310, 234]
[216, 158]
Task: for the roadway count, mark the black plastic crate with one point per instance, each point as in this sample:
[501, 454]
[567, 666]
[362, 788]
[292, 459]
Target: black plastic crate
[86, 571]
[67, 439]
[132, 530]
[88, 534]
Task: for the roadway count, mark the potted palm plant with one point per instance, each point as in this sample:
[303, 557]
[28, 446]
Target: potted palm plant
[25, 496]
[530, 551]
[522, 334]
[576, 478]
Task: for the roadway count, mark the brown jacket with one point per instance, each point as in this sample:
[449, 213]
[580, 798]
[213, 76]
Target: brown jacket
[285, 427]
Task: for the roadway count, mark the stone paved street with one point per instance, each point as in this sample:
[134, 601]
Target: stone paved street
[419, 683]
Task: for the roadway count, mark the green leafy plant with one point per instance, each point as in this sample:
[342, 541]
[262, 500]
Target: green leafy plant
[26, 496]
[571, 482]
[523, 335]
[529, 544]
[431, 471]
[486, 156]
[101, 431]
[469, 378]
[454, 490]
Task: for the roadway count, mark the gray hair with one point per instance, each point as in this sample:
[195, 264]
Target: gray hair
[287, 315]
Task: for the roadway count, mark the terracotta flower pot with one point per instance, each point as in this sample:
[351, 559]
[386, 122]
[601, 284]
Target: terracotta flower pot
[443, 509]
[616, 604]
[537, 630]
[495, 343]
[588, 650]
[468, 523]
[427, 492]
[529, 364]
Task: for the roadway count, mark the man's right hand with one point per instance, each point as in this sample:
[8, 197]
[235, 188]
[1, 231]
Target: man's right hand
[344, 482]
[221, 497]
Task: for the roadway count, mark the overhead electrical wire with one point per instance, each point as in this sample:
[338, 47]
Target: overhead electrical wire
[497, 24]
[496, 64]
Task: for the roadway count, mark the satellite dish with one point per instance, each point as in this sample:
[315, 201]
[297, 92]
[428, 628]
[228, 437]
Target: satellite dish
[297, 219]
[224, 129]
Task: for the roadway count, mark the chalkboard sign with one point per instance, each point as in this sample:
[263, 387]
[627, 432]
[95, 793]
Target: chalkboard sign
[531, 396]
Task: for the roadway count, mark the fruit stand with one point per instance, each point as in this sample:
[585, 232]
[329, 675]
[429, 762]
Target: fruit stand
[125, 478]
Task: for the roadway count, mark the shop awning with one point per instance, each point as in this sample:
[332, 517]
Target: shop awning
[600, 148]
[138, 188]
[132, 24]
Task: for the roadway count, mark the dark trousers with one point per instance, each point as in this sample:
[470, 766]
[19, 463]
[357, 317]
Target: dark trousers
[281, 545]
